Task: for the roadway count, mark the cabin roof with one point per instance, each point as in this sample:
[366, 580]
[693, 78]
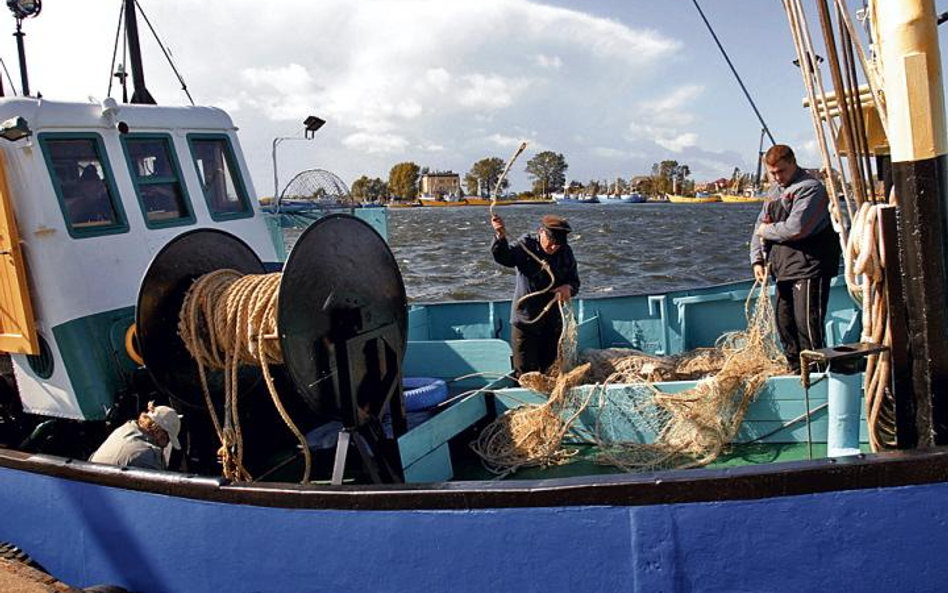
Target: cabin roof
[43, 114]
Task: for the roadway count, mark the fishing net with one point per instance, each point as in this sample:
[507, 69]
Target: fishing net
[634, 425]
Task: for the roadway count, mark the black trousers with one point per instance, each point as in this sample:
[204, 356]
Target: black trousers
[800, 311]
[534, 345]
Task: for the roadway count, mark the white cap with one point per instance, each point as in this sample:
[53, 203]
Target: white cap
[169, 421]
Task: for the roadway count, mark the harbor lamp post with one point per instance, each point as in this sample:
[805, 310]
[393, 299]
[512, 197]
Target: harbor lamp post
[23, 9]
[310, 125]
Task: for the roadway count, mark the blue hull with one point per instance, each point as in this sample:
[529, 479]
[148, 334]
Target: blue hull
[857, 526]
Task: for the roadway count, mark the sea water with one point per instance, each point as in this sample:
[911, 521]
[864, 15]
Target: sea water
[444, 253]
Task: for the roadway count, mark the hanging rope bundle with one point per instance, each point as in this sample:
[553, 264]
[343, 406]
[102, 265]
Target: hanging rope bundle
[864, 261]
[228, 320]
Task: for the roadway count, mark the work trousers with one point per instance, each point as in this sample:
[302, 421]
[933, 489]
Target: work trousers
[800, 311]
[534, 345]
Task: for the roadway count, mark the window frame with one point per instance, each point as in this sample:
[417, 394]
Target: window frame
[137, 182]
[121, 220]
[236, 177]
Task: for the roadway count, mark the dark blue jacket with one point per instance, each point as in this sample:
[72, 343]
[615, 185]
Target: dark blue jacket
[801, 242]
[530, 275]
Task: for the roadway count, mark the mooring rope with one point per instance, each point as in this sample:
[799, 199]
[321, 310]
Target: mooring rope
[864, 263]
[228, 320]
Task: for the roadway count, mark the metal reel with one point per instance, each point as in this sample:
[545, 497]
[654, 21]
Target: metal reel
[160, 296]
[343, 321]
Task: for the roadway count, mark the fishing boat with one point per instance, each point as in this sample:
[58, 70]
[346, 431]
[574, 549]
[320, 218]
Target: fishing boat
[610, 199]
[742, 199]
[567, 200]
[407, 506]
[696, 199]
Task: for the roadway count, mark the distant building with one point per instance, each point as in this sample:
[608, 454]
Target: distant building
[640, 183]
[441, 184]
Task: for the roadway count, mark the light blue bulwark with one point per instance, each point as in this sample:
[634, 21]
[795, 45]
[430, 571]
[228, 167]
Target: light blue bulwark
[85, 186]
[777, 415]
[470, 366]
[156, 175]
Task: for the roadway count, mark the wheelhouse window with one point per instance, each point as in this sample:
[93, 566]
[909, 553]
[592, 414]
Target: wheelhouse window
[220, 179]
[157, 178]
[83, 182]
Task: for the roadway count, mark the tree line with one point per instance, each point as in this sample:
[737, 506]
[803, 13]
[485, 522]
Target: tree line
[547, 172]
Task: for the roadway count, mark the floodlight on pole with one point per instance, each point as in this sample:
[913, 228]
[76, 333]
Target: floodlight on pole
[23, 9]
[310, 126]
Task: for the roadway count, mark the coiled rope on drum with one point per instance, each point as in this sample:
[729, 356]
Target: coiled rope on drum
[228, 320]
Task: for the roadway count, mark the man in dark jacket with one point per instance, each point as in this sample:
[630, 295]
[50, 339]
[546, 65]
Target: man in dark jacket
[533, 338]
[794, 235]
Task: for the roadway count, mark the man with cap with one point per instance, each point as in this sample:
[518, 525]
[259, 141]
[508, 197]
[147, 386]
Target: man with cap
[144, 443]
[534, 338]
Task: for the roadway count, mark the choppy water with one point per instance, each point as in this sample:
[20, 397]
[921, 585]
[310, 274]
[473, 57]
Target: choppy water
[444, 253]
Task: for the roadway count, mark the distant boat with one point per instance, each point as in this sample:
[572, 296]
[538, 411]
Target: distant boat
[403, 204]
[565, 200]
[700, 198]
[635, 198]
[735, 199]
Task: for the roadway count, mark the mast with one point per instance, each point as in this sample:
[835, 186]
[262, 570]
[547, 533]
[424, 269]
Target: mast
[906, 32]
[140, 93]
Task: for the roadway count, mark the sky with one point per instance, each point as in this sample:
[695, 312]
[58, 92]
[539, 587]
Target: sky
[614, 86]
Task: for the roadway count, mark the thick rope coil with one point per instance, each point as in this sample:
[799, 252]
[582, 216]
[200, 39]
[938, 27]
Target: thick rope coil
[228, 320]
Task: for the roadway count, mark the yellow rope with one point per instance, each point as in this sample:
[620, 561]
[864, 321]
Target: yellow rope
[228, 320]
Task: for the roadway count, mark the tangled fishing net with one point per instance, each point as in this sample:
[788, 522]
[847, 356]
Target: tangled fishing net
[670, 430]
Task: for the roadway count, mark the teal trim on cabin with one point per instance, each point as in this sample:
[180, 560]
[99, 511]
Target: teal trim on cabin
[177, 180]
[93, 352]
[275, 230]
[236, 177]
[121, 222]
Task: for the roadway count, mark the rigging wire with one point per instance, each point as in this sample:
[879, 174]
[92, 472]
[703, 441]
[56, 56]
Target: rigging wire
[734, 71]
[7, 72]
[184, 87]
[118, 30]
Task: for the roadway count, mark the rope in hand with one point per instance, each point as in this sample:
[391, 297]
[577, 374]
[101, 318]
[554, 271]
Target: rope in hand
[500, 180]
[228, 319]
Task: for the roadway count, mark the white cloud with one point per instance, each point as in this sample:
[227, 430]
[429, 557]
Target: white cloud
[663, 120]
[375, 143]
[467, 78]
[548, 62]
[679, 142]
[481, 91]
[501, 140]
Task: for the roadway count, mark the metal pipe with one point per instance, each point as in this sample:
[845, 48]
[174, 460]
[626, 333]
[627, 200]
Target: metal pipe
[21, 51]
